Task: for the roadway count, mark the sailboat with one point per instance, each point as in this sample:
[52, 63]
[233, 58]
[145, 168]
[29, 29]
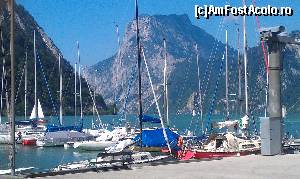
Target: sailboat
[226, 144]
[55, 128]
[142, 140]
[105, 139]
[30, 130]
[29, 137]
[60, 135]
[156, 139]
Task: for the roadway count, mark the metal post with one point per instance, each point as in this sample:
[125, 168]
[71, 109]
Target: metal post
[267, 88]
[275, 106]
[275, 68]
[12, 87]
[3, 69]
[139, 70]
[271, 128]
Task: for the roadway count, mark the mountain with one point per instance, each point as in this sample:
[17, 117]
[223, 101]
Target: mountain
[47, 70]
[290, 76]
[116, 74]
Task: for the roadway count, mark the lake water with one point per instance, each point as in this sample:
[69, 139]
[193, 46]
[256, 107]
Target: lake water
[49, 157]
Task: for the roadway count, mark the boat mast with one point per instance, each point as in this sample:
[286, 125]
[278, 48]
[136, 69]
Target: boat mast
[35, 80]
[119, 53]
[245, 63]
[60, 91]
[239, 72]
[79, 76]
[139, 70]
[75, 94]
[25, 90]
[199, 88]
[226, 77]
[116, 75]
[94, 96]
[12, 97]
[166, 105]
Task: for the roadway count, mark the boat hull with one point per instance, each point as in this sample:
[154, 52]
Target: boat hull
[29, 141]
[59, 138]
[49, 144]
[206, 154]
[94, 145]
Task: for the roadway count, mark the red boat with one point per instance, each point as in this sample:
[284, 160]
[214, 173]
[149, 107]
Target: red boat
[204, 154]
[29, 141]
[219, 147]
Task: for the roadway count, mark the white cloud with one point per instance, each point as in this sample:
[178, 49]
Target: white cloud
[231, 18]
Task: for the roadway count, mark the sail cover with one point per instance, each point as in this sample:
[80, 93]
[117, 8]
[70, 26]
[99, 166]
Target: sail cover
[40, 112]
[155, 138]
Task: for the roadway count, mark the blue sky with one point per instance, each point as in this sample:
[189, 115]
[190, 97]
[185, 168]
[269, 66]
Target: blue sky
[92, 22]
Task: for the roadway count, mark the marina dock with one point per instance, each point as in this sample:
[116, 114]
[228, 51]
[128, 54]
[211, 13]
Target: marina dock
[253, 166]
[164, 96]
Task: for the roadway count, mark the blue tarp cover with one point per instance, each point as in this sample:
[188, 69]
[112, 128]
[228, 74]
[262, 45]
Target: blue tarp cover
[150, 119]
[155, 138]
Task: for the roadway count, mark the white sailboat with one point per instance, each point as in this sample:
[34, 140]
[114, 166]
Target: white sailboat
[60, 135]
[105, 140]
[94, 145]
[30, 133]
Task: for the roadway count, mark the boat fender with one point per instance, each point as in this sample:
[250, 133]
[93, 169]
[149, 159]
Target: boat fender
[180, 142]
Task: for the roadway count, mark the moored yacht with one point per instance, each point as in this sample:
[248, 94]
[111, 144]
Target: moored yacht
[59, 138]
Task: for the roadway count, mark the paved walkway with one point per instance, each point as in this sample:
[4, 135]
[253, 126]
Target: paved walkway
[281, 166]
